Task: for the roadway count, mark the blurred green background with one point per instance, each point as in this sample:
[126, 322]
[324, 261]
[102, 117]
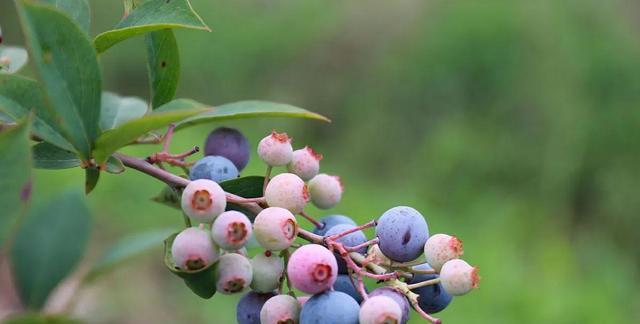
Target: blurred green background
[512, 124]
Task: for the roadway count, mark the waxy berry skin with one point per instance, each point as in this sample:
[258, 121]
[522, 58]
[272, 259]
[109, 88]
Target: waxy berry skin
[193, 249]
[433, 298]
[249, 307]
[397, 297]
[325, 191]
[275, 228]
[231, 230]
[330, 221]
[288, 191]
[280, 309]
[380, 310]
[458, 277]
[330, 307]
[441, 248]
[203, 200]
[230, 143]
[305, 163]
[233, 273]
[268, 268]
[275, 149]
[402, 231]
[312, 269]
[215, 168]
[343, 284]
[349, 240]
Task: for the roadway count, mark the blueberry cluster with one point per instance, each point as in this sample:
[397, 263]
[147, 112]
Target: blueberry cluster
[417, 270]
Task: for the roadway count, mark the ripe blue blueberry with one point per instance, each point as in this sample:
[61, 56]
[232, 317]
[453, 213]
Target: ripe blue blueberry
[349, 240]
[249, 307]
[330, 307]
[397, 297]
[343, 284]
[330, 221]
[216, 168]
[230, 143]
[433, 298]
[402, 231]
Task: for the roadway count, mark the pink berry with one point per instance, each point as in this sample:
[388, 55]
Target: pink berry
[193, 249]
[280, 309]
[325, 190]
[233, 273]
[275, 228]
[441, 248]
[312, 269]
[288, 191]
[458, 277]
[268, 268]
[203, 200]
[231, 230]
[380, 310]
[305, 163]
[275, 149]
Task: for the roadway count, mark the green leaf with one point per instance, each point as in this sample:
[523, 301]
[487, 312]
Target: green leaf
[151, 15]
[78, 10]
[12, 59]
[15, 176]
[48, 156]
[114, 165]
[48, 245]
[19, 96]
[202, 282]
[126, 249]
[249, 109]
[68, 67]
[247, 187]
[113, 139]
[163, 63]
[117, 110]
[91, 177]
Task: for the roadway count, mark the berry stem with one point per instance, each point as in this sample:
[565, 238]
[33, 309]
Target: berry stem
[424, 283]
[267, 175]
[365, 244]
[311, 219]
[351, 230]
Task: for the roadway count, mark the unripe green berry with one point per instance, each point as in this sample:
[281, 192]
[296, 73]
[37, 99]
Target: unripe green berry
[268, 268]
[458, 277]
[441, 248]
[325, 190]
[288, 191]
[275, 149]
[203, 200]
[305, 163]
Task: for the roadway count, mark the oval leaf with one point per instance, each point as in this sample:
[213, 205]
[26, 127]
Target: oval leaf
[202, 282]
[249, 109]
[78, 10]
[117, 110]
[163, 63]
[15, 176]
[18, 96]
[48, 245]
[12, 59]
[47, 156]
[113, 139]
[127, 248]
[68, 67]
[151, 15]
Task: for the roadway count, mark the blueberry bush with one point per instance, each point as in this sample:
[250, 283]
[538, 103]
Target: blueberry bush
[65, 119]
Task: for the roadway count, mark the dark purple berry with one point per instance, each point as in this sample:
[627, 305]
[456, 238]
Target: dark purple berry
[230, 143]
